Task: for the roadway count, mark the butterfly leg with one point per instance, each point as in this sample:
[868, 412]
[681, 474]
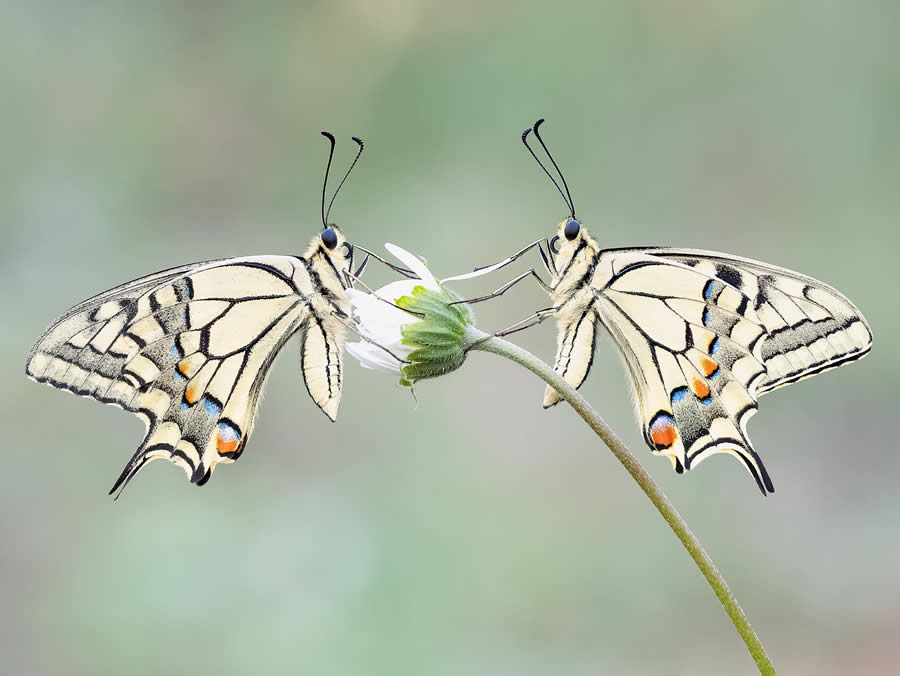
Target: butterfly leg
[506, 287]
[528, 322]
[396, 268]
[520, 252]
[354, 278]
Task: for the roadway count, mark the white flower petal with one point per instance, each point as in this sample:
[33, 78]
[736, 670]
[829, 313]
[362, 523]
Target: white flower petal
[373, 357]
[395, 290]
[415, 264]
[355, 295]
[476, 273]
[381, 322]
[376, 312]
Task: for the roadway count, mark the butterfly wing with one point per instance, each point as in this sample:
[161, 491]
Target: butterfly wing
[701, 344]
[187, 350]
[575, 342]
[321, 360]
[810, 326]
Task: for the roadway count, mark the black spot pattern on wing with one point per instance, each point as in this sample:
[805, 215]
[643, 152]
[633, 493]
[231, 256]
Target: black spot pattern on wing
[729, 275]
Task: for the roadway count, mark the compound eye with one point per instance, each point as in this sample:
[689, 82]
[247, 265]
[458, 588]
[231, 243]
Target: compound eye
[571, 230]
[329, 238]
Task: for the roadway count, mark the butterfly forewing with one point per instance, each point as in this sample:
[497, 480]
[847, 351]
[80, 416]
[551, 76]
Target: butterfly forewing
[810, 327]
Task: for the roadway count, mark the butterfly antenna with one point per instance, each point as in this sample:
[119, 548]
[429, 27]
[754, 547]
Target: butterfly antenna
[537, 133]
[361, 145]
[541, 165]
[330, 137]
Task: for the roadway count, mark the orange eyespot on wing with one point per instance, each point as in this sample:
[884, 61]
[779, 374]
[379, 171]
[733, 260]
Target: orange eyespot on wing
[228, 439]
[190, 394]
[662, 430]
[709, 366]
[700, 389]
[189, 366]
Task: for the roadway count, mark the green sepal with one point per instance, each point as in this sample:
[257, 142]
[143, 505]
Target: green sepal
[438, 336]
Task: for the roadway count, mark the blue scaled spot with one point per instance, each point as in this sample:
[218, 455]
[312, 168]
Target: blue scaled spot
[714, 346]
[707, 400]
[678, 394]
[211, 406]
[185, 406]
[707, 290]
[713, 375]
[178, 374]
[174, 351]
[705, 316]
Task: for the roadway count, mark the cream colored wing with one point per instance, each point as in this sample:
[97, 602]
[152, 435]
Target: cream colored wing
[695, 362]
[321, 360]
[187, 350]
[702, 343]
[575, 350]
[810, 326]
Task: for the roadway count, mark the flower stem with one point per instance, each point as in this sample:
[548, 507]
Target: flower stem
[515, 353]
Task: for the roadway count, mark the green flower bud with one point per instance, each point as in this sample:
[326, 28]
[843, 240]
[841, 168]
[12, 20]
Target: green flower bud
[440, 339]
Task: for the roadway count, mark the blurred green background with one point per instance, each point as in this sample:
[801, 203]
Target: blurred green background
[471, 533]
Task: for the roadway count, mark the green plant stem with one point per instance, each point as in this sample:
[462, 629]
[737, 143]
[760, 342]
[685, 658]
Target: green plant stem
[498, 346]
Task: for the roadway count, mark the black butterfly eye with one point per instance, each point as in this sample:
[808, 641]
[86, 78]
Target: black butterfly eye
[348, 249]
[329, 238]
[571, 230]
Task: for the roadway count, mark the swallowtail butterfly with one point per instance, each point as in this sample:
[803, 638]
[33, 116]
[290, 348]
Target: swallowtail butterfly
[188, 349]
[703, 334]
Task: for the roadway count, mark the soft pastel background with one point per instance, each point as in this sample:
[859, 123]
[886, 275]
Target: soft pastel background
[471, 533]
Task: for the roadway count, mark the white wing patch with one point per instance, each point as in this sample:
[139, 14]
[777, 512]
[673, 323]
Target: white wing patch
[187, 350]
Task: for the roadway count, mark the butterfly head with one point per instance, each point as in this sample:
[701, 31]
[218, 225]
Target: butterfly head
[332, 243]
[571, 238]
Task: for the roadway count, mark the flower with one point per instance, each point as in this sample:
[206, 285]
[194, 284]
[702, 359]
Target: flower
[415, 328]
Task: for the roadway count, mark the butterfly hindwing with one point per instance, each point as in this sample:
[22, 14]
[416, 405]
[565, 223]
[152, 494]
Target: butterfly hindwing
[321, 359]
[575, 350]
[187, 350]
[694, 358]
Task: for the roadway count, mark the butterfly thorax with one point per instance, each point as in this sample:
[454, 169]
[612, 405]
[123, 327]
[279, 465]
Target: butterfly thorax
[576, 269]
[324, 274]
